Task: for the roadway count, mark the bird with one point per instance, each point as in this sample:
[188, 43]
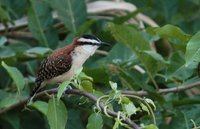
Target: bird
[63, 62]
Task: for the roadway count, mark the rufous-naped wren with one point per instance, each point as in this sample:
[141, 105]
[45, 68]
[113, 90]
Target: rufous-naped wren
[63, 62]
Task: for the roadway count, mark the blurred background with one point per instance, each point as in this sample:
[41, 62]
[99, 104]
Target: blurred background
[148, 52]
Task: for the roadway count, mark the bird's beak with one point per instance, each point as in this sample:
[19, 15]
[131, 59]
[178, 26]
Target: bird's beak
[105, 44]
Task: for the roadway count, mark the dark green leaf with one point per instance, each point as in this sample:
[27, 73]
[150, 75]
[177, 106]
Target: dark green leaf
[177, 122]
[133, 81]
[71, 12]
[3, 40]
[116, 57]
[40, 23]
[134, 40]
[41, 106]
[155, 55]
[4, 15]
[193, 49]
[99, 75]
[13, 119]
[122, 19]
[129, 36]
[85, 27]
[95, 121]
[6, 52]
[170, 31]
[151, 62]
[57, 114]
[16, 76]
[37, 51]
[8, 100]
[177, 67]
[74, 119]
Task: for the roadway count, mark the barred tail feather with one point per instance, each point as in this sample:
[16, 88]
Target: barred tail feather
[35, 90]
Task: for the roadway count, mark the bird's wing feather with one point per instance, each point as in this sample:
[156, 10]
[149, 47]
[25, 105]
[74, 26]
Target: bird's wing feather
[50, 68]
[53, 66]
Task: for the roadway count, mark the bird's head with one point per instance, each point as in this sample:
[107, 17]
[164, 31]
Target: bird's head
[88, 39]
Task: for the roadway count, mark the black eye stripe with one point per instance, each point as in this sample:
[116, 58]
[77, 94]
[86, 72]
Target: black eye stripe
[89, 43]
[88, 36]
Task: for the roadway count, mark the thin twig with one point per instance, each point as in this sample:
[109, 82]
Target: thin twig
[70, 91]
[164, 91]
[17, 34]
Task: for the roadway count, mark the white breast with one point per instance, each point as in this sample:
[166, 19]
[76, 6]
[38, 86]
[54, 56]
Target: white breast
[79, 56]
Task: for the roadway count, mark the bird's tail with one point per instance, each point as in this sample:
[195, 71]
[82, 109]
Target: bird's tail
[35, 90]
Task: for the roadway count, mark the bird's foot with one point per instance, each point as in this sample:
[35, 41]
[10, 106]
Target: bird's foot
[47, 94]
[69, 87]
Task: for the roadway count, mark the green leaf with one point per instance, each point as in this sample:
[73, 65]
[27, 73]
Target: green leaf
[40, 23]
[83, 76]
[87, 86]
[71, 12]
[155, 55]
[150, 102]
[37, 51]
[6, 52]
[62, 87]
[116, 125]
[3, 40]
[8, 100]
[78, 71]
[145, 108]
[13, 120]
[113, 85]
[193, 49]
[85, 27]
[74, 119]
[4, 15]
[129, 36]
[178, 121]
[136, 42]
[122, 19]
[128, 79]
[40, 106]
[169, 31]
[116, 57]
[57, 114]
[130, 108]
[16, 76]
[95, 121]
[99, 75]
[152, 62]
[177, 67]
[151, 126]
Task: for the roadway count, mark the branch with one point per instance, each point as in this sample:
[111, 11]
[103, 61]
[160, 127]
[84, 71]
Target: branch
[94, 98]
[75, 92]
[164, 91]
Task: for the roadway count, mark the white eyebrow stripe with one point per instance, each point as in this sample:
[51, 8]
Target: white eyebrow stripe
[88, 40]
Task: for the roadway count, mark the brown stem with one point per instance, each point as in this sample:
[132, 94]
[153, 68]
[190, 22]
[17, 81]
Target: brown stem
[94, 98]
[75, 92]
[164, 91]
